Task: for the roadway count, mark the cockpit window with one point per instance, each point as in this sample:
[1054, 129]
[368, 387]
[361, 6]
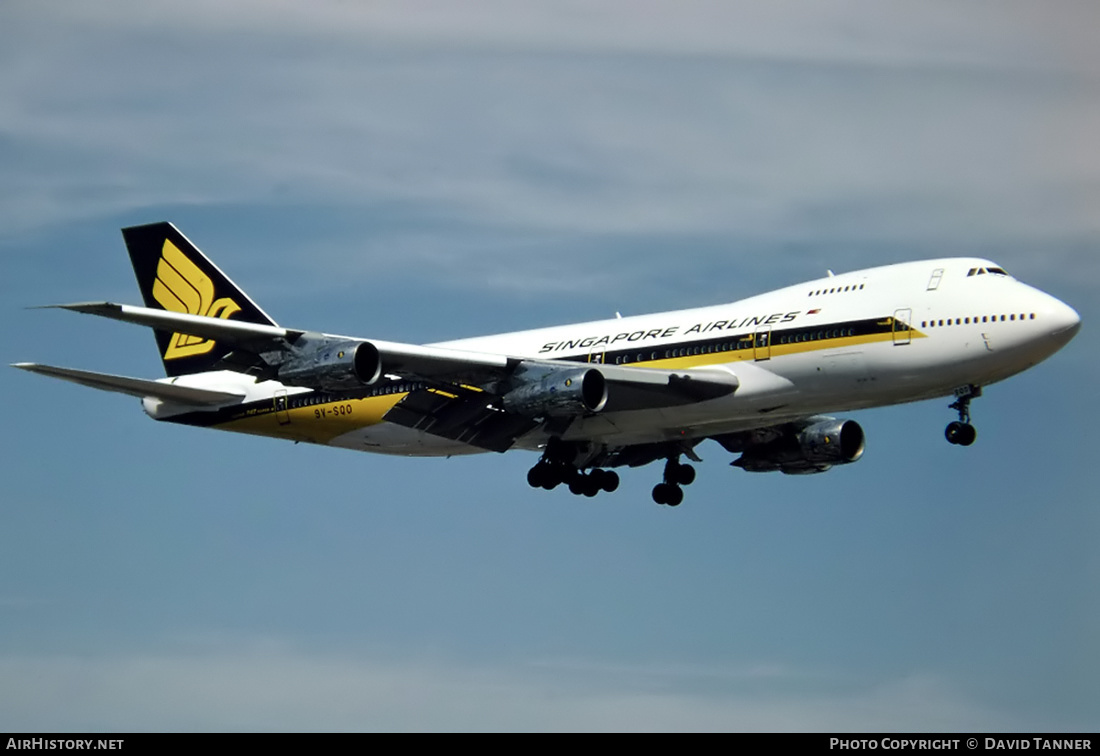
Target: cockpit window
[983, 271]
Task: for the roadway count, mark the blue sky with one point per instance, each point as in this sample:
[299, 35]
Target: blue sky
[424, 171]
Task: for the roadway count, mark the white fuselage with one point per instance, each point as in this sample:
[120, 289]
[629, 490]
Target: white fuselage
[887, 335]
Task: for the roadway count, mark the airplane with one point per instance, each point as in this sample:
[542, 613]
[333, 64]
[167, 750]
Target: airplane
[755, 375]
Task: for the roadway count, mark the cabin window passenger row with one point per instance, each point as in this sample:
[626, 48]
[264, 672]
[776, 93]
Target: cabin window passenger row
[985, 319]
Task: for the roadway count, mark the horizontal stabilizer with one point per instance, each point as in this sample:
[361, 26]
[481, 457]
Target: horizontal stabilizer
[134, 386]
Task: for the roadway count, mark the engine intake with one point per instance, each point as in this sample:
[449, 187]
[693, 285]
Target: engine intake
[332, 365]
[560, 393]
[838, 442]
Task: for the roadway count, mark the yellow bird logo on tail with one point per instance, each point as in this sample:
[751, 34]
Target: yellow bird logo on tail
[181, 286]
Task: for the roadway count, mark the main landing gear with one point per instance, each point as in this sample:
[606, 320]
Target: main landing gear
[559, 464]
[676, 475]
[567, 463]
[549, 475]
[961, 432]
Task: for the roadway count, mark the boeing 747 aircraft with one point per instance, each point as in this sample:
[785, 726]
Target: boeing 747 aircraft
[753, 375]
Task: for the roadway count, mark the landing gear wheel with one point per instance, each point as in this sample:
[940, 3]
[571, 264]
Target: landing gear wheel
[961, 434]
[544, 476]
[577, 485]
[970, 435]
[954, 430]
[534, 477]
[552, 477]
[591, 485]
[684, 475]
[668, 493]
[677, 497]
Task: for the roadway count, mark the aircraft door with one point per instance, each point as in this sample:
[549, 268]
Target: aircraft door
[596, 357]
[762, 345]
[903, 329]
[281, 413]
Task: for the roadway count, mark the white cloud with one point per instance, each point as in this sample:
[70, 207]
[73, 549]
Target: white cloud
[840, 122]
[268, 686]
[989, 31]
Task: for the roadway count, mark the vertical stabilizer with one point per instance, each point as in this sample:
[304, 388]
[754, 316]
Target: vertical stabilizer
[174, 275]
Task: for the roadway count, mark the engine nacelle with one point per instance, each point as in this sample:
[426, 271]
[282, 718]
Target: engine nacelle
[560, 393]
[813, 449]
[836, 442]
[331, 365]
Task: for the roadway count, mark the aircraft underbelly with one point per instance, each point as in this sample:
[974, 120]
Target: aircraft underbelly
[388, 438]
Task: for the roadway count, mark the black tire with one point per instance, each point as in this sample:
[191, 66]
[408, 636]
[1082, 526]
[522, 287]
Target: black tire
[668, 494]
[610, 481]
[685, 475]
[553, 477]
[676, 496]
[968, 435]
[536, 477]
[660, 493]
[954, 432]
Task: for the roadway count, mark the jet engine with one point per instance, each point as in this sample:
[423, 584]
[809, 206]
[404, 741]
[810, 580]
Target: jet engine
[559, 393]
[331, 365]
[810, 449]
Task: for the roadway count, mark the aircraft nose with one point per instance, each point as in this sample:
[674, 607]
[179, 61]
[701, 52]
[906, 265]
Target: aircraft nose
[1064, 321]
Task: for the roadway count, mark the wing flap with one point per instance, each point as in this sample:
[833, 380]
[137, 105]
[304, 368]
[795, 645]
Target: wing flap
[134, 386]
[466, 417]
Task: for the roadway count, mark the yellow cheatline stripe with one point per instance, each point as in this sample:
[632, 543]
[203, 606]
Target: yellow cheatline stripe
[777, 350]
[317, 423]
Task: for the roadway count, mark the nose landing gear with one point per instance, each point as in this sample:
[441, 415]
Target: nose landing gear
[961, 432]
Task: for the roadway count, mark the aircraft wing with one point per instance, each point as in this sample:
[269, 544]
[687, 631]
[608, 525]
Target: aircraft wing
[403, 359]
[232, 331]
[465, 393]
[134, 386]
[267, 345]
